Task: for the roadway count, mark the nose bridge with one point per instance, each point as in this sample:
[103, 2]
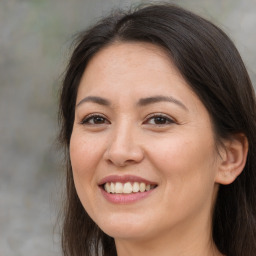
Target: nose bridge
[124, 147]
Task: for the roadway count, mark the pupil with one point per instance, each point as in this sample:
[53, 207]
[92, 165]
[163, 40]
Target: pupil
[98, 119]
[160, 120]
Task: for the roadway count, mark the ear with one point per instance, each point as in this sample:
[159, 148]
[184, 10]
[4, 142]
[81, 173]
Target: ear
[233, 157]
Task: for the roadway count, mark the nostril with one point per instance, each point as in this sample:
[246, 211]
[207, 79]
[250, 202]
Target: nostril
[120, 163]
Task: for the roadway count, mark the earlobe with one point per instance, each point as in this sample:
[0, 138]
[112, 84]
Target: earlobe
[233, 159]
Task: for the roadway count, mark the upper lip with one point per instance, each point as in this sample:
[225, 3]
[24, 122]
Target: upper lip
[125, 178]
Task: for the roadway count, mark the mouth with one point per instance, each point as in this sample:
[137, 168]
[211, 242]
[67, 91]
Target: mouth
[127, 187]
[126, 184]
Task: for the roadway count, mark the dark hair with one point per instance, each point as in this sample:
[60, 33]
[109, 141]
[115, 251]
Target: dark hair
[211, 65]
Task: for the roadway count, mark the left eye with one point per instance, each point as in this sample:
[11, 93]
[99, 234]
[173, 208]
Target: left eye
[159, 120]
[94, 120]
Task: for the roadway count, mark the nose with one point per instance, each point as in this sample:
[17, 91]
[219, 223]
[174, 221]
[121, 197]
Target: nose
[124, 147]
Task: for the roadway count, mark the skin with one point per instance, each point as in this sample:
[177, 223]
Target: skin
[178, 154]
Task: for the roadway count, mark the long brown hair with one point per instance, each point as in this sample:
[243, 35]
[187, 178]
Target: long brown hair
[210, 63]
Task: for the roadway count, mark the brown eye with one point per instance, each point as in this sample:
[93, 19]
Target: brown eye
[94, 120]
[159, 120]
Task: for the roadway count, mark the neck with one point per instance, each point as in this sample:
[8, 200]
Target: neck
[198, 247]
[182, 241]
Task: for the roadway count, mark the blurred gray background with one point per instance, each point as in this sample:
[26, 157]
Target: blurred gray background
[35, 37]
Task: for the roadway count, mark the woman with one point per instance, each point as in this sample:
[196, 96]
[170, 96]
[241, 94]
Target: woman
[158, 121]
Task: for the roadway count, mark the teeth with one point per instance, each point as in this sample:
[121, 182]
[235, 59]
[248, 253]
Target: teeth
[142, 187]
[112, 187]
[107, 187]
[136, 187]
[118, 188]
[127, 188]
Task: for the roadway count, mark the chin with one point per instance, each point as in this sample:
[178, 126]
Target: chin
[124, 227]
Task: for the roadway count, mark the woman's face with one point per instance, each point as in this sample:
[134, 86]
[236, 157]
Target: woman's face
[142, 148]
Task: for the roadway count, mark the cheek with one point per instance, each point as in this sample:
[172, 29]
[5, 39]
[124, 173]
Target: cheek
[83, 162]
[181, 151]
[187, 169]
[185, 162]
[84, 154]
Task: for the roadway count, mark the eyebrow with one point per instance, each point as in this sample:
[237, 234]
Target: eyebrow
[94, 99]
[142, 102]
[160, 98]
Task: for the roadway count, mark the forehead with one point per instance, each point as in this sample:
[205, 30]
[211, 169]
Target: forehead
[132, 53]
[135, 63]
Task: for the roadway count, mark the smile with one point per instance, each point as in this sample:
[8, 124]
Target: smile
[127, 187]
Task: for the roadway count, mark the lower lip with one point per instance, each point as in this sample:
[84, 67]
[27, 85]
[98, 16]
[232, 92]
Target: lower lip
[125, 198]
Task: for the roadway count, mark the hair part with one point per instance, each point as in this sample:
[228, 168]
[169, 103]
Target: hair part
[212, 66]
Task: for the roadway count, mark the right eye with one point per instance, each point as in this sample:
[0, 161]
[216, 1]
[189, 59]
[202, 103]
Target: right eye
[94, 120]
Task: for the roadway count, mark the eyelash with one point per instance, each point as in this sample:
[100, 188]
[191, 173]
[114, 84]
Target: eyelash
[87, 119]
[161, 117]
